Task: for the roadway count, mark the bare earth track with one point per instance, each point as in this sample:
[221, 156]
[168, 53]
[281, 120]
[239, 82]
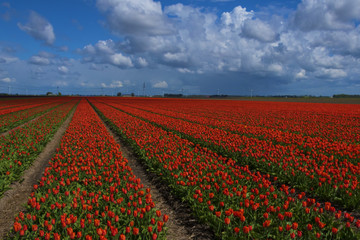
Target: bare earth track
[14, 199]
[182, 225]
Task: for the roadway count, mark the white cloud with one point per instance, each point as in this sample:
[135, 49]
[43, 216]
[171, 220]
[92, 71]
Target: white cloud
[331, 73]
[276, 68]
[38, 60]
[105, 52]
[63, 70]
[326, 14]
[134, 17]
[113, 84]
[236, 18]
[178, 59]
[142, 62]
[259, 30]
[120, 60]
[39, 28]
[162, 84]
[185, 70]
[8, 80]
[301, 74]
[105, 47]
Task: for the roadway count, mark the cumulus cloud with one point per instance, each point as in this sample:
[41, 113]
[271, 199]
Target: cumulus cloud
[42, 58]
[162, 84]
[136, 17]
[258, 30]
[120, 60]
[326, 14]
[39, 28]
[236, 18]
[105, 51]
[113, 84]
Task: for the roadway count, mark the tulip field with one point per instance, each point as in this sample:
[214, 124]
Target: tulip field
[246, 169]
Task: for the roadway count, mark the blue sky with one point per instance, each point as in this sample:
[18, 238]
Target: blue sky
[269, 47]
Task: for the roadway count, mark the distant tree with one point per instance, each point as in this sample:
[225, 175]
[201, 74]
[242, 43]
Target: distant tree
[59, 94]
[49, 93]
[119, 94]
[132, 94]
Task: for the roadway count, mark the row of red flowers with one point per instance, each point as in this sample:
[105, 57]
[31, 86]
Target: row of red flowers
[30, 103]
[21, 146]
[323, 174]
[17, 102]
[89, 191]
[329, 145]
[14, 119]
[236, 202]
[328, 121]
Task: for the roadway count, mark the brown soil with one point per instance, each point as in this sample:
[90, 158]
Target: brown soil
[182, 224]
[15, 199]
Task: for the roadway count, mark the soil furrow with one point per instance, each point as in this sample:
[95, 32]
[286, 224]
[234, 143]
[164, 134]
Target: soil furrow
[182, 225]
[14, 199]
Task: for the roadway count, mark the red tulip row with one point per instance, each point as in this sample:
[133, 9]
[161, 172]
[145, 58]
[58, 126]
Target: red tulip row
[334, 122]
[14, 119]
[308, 144]
[236, 202]
[323, 174]
[21, 147]
[31, 104]
[89, 191]
[11, 103]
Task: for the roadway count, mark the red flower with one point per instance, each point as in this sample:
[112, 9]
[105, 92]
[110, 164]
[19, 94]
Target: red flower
[309, 227]
[158, 213]
[17, 226]
[295, 225]
[34, 227]
[266, 223]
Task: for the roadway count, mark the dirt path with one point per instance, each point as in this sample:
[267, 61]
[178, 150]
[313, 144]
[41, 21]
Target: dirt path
[14, 199]
[182, 225]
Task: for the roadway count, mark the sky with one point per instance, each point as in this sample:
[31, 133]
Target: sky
[250, 47]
